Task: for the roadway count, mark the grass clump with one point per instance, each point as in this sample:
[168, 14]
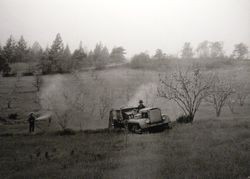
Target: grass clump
[66, 131]
[184, 119]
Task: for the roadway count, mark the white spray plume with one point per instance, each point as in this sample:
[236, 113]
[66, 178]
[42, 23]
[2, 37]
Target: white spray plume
[45, 116]
[147, 93]
[52, 92]
[74, 100]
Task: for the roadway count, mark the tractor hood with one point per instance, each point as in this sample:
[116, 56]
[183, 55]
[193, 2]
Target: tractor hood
[155, 115]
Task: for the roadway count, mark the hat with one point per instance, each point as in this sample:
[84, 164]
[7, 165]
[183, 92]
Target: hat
[31, 113]
[140, 101]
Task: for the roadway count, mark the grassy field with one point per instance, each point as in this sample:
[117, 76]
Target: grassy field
[204, 149]
[22, 94]
[211, 147]
[125, 87]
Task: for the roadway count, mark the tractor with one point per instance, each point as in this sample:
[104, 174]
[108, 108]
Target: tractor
[138, 121]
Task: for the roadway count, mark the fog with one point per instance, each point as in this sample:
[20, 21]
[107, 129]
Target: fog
[135, 25]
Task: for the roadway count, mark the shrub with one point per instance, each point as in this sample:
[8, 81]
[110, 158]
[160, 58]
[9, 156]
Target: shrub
[27, 74]
[140, 60]
[67, 131]
[13, 116]
[184, 119]
[2, 120]
[9, 74]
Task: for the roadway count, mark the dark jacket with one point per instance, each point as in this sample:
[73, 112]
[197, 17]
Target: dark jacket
[31, 119]
[140, 106]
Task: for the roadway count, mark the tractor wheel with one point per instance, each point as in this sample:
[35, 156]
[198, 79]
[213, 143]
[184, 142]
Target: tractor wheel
[169, 126]
[135, 128]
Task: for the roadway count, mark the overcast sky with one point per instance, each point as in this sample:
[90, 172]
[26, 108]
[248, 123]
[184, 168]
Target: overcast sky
[137, 25]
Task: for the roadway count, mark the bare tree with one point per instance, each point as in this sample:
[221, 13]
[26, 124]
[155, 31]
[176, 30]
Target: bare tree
[188, 89]
[94, 74]
[57, 107]
[82, 96]
[37, 82]
[231, 102]
[63, 118]
[242, 91]
[127, 92]
[220, 90]
[105, 102]
[12, 93]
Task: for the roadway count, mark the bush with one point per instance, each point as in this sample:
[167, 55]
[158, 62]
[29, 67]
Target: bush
[27, 74]
[184, 119]
[139, 60]
[212, 64]
[67, 131]
[13, 116]
[9, 75]
[2, 120]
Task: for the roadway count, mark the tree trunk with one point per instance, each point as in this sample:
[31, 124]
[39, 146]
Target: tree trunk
[231, 109]
[241, 102]
[218, 113]
[191, 117]
[9, 104]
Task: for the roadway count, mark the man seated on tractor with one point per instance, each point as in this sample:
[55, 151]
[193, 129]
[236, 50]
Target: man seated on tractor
[140, 106]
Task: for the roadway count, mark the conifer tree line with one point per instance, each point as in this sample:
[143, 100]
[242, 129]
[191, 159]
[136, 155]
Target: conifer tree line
[57, 58]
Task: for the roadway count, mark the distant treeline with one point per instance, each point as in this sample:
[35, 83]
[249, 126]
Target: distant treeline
[59, 59]
[210, 54]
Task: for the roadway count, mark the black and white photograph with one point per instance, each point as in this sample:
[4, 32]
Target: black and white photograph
[125, 89]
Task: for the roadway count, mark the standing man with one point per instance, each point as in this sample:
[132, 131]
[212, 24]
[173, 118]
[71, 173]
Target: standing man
[31, 121]
[140, 106]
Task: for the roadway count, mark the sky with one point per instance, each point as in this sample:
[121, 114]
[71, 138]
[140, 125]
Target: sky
[137, 25]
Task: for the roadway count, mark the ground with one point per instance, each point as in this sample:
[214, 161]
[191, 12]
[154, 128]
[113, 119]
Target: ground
[204, 149]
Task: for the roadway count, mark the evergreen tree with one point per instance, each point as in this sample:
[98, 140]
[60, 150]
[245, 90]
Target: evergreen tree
[4, 66]
[240, 51]
[203, 49]
[100, 56]
[140, 60]
[67, 52]
[35, 52]
[79, 58]
[117, 55]
[159, 55]
[1, 50]
[65, 63]
[2, 62]
[9, 50]
[22, 50]
[45, 64]
[56, 54]
[57, 46]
